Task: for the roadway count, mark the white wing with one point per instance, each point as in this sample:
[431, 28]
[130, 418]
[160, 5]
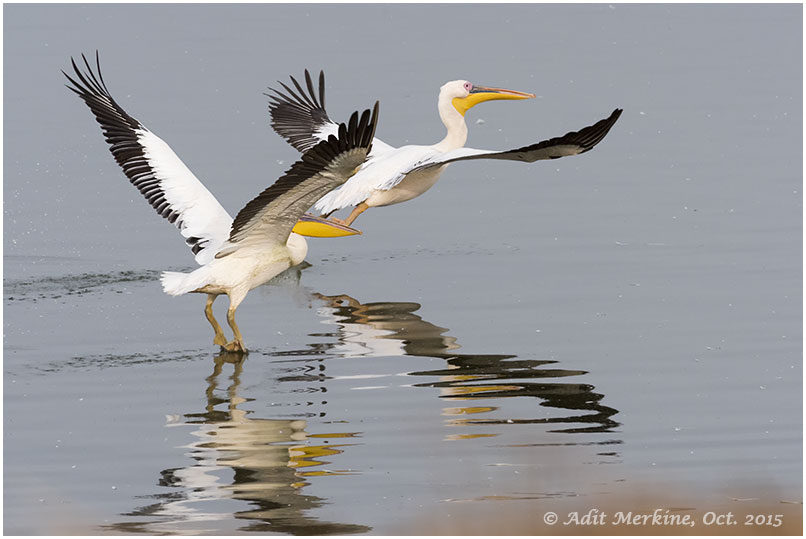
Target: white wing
[388, 170]
[301, 119]
[269, 217]
[154, 169]
[381, 172]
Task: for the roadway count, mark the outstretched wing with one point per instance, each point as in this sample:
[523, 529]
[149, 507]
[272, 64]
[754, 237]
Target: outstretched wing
[301, 118]
[269, 217]
[573, 143]
[154, 169]
[388, 170]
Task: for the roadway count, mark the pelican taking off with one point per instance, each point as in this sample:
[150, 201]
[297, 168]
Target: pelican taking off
[393, 175]
[235, 255]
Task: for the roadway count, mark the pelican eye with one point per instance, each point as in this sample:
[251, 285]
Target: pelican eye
[468, 86]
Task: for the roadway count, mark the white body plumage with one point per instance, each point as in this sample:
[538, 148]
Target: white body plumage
[238, 273]
[382, 180]
[386, 176]
[393, 175]
[236, 255]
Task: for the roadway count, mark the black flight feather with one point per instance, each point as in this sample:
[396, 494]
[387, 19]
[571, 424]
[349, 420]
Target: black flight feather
[358, 133]
[296, 115]
[121, 132]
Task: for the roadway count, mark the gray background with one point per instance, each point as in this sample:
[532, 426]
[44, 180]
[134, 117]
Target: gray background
[657, 280]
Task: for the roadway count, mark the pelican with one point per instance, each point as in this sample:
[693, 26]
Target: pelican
[393, 175]
[236, 255]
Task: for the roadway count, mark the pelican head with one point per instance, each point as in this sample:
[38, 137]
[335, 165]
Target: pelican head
[464, 94]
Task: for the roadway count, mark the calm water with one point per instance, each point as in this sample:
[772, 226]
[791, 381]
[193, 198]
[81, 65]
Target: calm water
[522, 338]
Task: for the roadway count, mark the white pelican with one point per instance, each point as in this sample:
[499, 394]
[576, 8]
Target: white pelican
[393, 175]
[235, 255]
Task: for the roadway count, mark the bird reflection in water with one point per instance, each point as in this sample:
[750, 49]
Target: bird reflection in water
[392, 328]
[264, 463]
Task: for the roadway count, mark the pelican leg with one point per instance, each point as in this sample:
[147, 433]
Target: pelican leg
[236, 345]
[358, 210]
[219, 338]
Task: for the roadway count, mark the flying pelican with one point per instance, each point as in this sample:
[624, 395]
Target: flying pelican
[235, 255]
[393, 175]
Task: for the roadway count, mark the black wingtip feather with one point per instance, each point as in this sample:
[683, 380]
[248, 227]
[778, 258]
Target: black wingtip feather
[354, 134]
[309, 83]
[586, 138]
[121, 133]
[322, 88]
[589, 137]
[370, 135]
[297, 115]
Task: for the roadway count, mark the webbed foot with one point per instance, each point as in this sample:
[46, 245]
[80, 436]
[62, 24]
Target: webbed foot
[235, 346]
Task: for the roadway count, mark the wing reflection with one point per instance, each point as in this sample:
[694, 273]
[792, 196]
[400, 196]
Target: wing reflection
[263, 462]
[392, 328]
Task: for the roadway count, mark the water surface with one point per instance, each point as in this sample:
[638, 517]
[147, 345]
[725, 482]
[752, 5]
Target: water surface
[522, 338]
